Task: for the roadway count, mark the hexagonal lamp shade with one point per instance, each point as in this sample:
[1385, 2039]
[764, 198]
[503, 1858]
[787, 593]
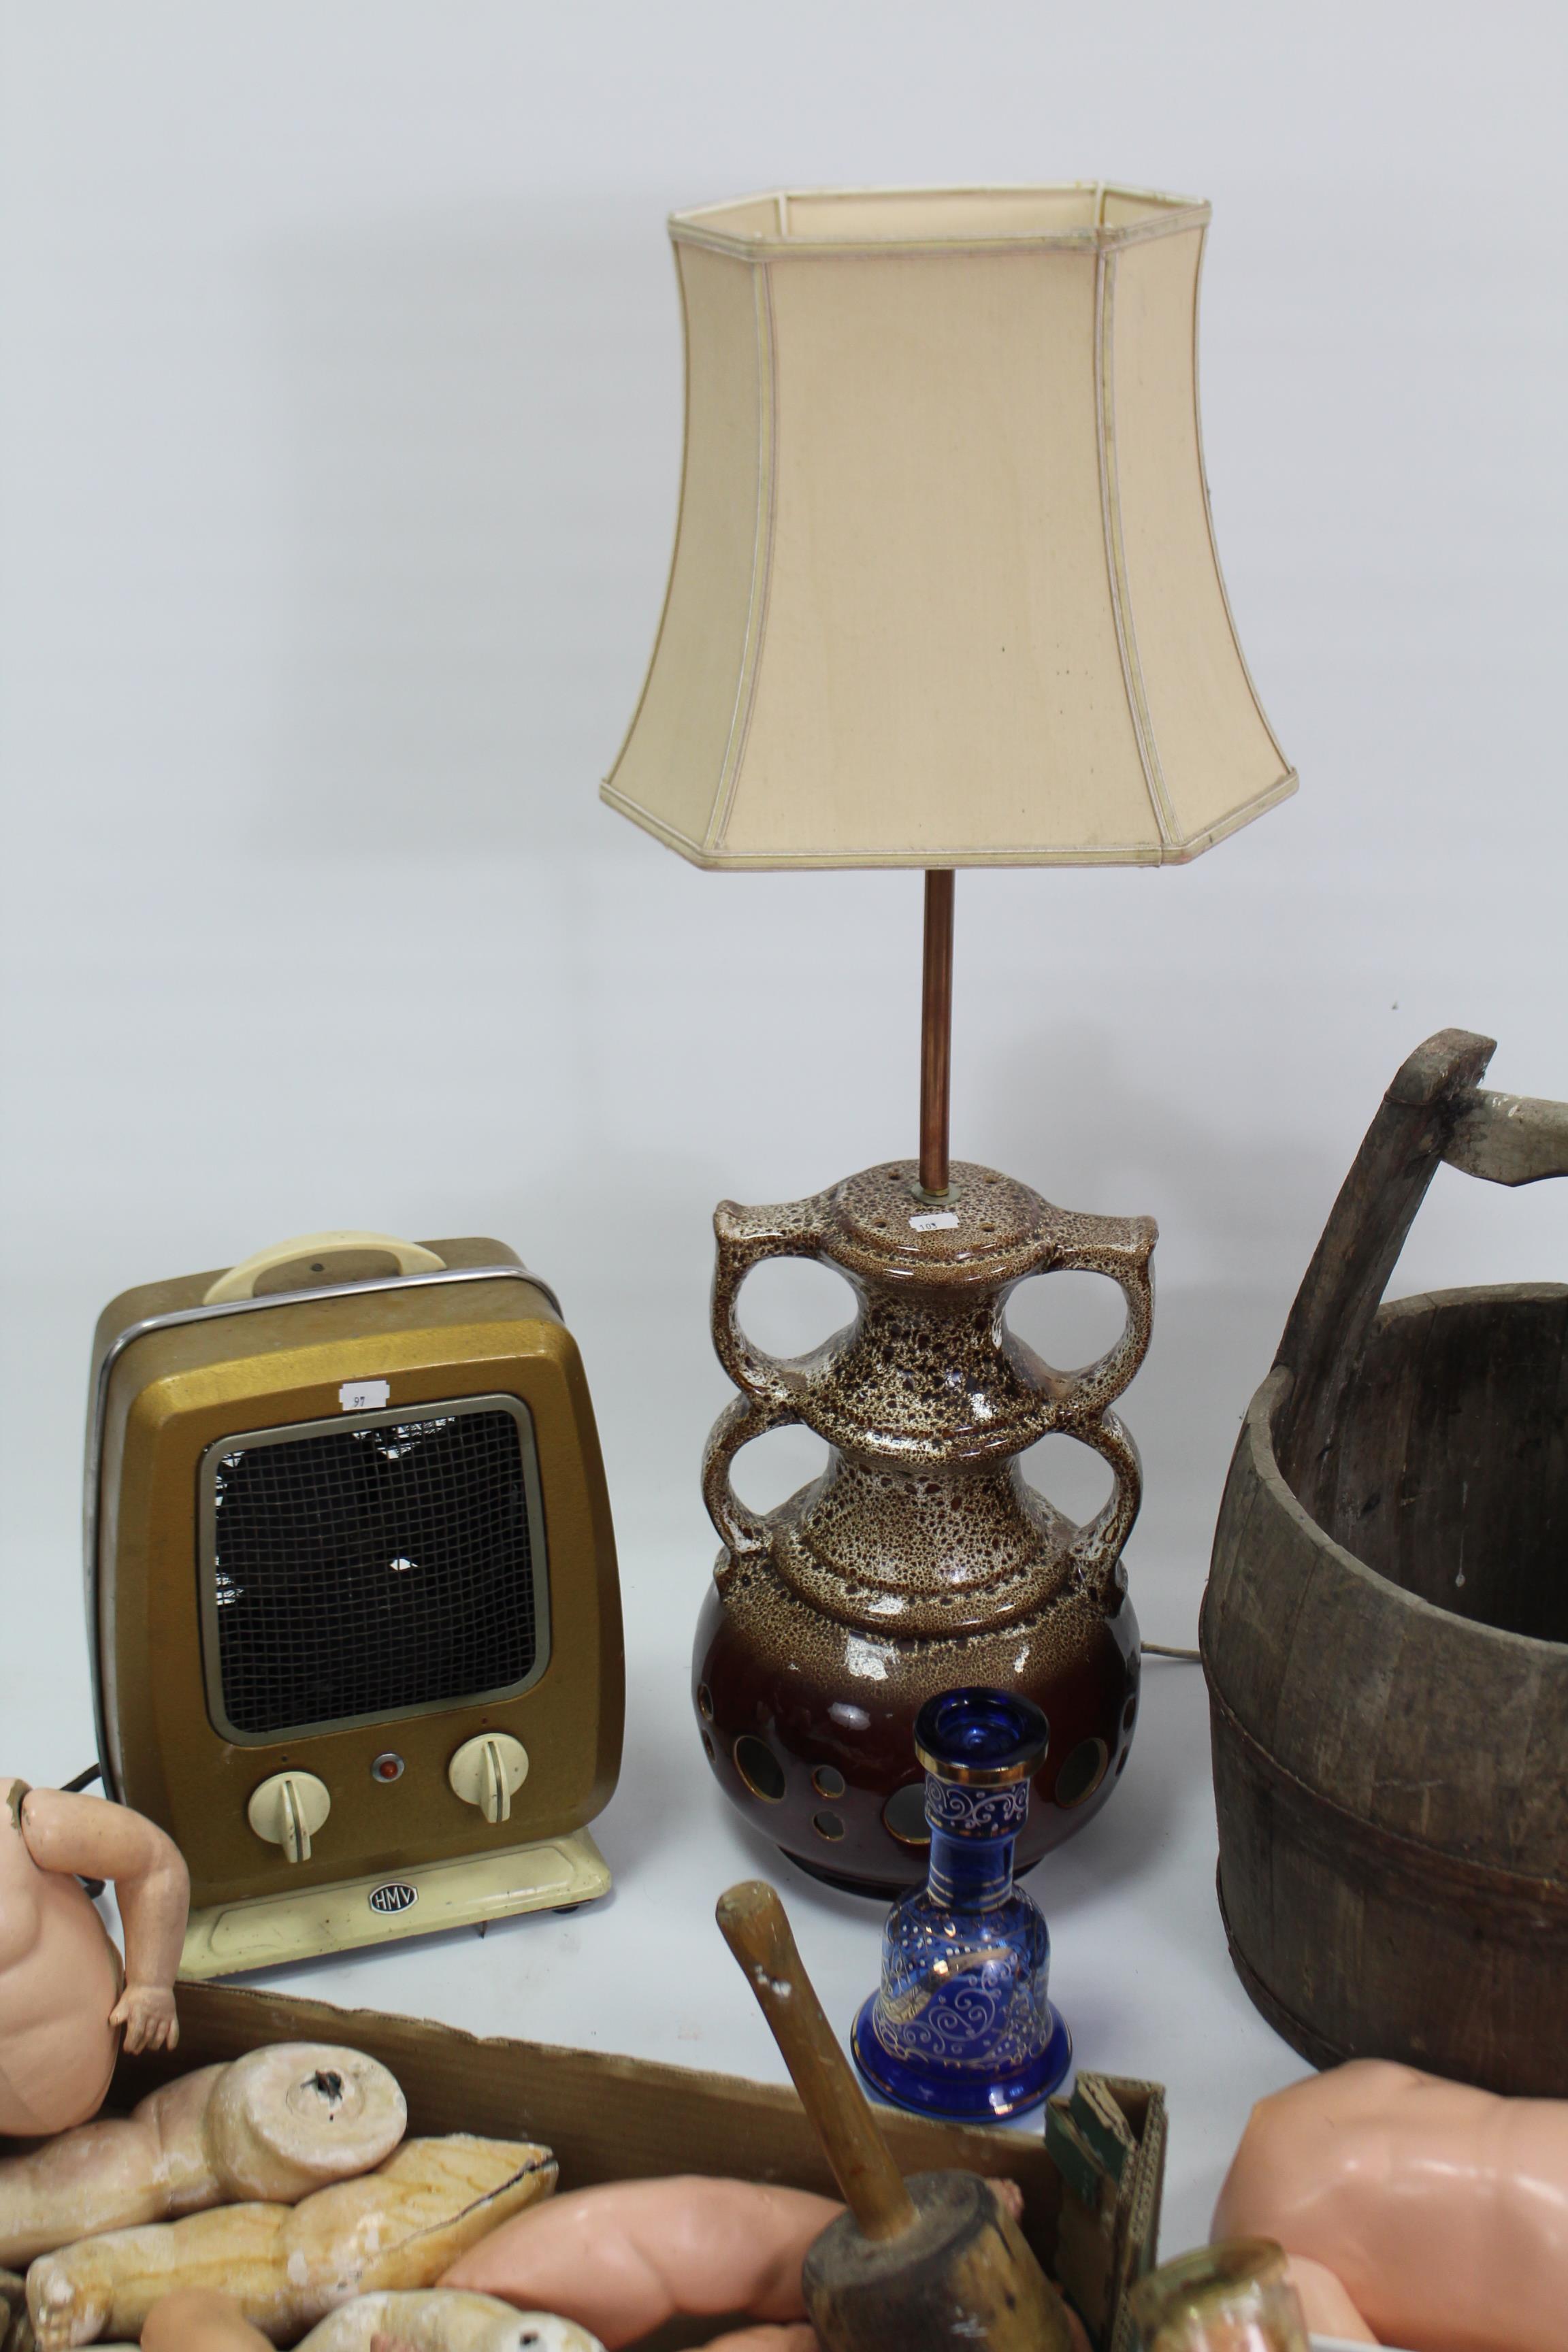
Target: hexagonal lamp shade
[944, 589]
[944, 594]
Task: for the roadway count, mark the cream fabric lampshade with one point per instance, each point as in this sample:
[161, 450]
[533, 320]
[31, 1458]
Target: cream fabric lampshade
[945, 590]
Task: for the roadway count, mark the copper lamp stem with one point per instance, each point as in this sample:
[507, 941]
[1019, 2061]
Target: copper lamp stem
[936, 1032]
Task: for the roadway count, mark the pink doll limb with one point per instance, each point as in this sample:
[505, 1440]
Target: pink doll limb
[624, 2258]
[795, 2338]
[62, 1995]
[1326, 2307]
[1443, 2210]
[91, 1838]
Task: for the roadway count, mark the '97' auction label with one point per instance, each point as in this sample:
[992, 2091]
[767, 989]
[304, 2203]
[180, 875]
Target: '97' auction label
[364, 1396]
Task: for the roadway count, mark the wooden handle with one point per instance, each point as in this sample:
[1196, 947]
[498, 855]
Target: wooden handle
[1331, 1319]
[1509, 1139]
[752, 1922]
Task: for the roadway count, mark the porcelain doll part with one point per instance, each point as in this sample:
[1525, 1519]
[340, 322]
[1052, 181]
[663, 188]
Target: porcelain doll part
[200, 2319]
[64, 1996]
[797, 2336]
[444, 2319]
[277, 2124]
[1442, 2210]
[203, 2320]
[13, 2307]
[1325, 2305]
[629, 2255]
[398, 2227]
[625, 2257]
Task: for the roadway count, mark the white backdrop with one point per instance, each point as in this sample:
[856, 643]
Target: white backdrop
[339, 443]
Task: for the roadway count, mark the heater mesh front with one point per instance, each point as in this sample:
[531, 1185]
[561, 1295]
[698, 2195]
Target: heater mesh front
[363, 1570]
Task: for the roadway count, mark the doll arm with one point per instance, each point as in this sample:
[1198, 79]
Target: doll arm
[1325, 2303]
[797, 2336]
[624, 2258]
[95, 1839]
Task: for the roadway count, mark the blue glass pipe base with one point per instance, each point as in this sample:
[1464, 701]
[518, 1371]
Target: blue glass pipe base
[942, 2090]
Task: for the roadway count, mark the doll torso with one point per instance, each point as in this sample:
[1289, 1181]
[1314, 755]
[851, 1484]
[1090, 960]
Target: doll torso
[59, 1979]
[1443, 2209]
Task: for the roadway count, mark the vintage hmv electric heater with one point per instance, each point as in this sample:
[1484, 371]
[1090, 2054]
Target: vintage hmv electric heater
[352, 1592]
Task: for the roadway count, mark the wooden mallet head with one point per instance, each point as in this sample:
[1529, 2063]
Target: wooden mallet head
[935, 2261]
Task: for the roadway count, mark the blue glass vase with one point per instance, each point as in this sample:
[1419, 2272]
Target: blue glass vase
[962, 2024]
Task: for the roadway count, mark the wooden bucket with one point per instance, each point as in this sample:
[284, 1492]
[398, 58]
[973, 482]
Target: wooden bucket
[1386, 1629]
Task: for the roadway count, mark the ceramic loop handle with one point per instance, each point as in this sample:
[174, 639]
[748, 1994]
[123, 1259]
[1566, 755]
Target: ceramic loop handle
[1120, 1248]
[1098, 1545]
[745, 1237]
[744, 1532]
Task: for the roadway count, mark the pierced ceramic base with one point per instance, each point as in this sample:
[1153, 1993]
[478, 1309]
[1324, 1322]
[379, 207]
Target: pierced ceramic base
[920, 1558]
[555, 1875]
[942, 2091]
[872, 1889]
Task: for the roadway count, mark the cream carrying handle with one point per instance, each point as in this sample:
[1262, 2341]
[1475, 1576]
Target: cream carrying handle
[240, 1281]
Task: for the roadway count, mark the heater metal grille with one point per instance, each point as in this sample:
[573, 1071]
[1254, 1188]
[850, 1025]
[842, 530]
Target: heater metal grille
[378, 1566]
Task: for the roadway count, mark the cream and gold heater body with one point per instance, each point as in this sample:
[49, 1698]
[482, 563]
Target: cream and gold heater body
[352, 1592]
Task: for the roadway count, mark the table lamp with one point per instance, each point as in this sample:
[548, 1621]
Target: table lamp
[944, 593]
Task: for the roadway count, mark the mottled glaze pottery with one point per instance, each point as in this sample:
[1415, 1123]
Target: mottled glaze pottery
[961, 2023]
[921, 1560]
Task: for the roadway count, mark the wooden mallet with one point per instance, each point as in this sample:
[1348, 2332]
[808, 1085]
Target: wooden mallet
[932, 2260]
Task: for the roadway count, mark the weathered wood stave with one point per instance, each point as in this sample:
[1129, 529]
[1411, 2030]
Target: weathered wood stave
[1384, 1638]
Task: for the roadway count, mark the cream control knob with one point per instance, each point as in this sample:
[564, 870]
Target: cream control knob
[288, 1809]
[487, 1771]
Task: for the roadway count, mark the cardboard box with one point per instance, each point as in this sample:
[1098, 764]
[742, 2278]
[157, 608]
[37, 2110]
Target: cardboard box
[1091, 2209]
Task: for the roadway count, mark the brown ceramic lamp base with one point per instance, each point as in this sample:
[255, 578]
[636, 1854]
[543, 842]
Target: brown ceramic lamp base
[921, 1560]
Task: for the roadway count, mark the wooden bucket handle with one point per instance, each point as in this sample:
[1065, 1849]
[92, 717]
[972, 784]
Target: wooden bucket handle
[1435, 1111]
